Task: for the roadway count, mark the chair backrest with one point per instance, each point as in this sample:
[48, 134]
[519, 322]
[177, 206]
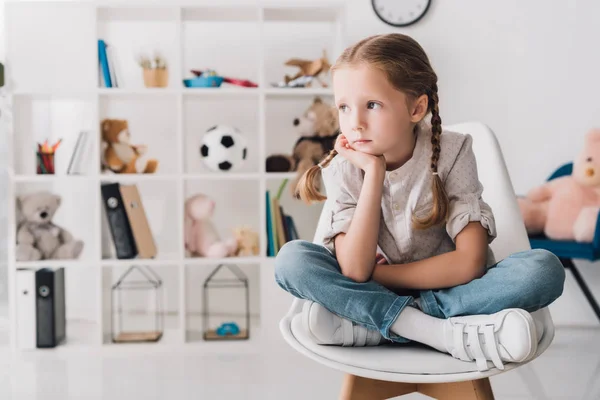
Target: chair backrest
[498, 192]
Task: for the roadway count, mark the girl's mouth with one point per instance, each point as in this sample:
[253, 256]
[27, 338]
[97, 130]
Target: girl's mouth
[361, 141]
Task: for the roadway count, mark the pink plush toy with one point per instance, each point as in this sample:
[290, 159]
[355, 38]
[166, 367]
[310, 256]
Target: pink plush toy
[201, 237]
[566, 208]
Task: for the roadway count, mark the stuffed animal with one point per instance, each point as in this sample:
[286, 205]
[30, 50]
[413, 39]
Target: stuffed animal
[308, 69]
[566, 208]
[38, 238]
[201, 237]
[248, 241]
[318, 129]
[118, 154]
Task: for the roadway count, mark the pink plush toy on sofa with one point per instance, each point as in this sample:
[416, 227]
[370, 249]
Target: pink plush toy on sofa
[566, 208]
[201, 237]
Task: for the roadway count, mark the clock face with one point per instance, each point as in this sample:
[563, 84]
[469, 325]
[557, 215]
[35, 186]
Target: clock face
[400, 12]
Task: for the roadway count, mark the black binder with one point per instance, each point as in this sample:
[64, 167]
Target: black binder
[50, 306]
[118, 222]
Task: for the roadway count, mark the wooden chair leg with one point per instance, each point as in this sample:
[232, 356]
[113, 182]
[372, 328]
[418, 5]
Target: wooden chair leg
[479, 389]
[359, 388]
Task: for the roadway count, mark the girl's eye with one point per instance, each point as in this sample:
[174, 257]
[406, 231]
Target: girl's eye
[589, 159]
[343, 107]
[372, 105]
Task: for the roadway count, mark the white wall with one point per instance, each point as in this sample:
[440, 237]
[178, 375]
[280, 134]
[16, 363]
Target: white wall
[527, 69]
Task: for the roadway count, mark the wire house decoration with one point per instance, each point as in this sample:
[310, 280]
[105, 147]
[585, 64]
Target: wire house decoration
[231, 321]
[137, 306]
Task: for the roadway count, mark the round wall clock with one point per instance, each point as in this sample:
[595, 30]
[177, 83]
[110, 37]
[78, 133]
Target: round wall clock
[400, 12]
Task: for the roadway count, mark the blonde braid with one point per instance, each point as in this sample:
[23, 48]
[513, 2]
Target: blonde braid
[439, 211]
[306, 188]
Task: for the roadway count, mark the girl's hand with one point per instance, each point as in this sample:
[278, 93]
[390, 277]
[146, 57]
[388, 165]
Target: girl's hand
[380, 259]
[360, 159]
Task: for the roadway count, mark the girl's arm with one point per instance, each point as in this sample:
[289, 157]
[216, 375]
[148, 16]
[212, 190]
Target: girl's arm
[355, 250]
[451, 269]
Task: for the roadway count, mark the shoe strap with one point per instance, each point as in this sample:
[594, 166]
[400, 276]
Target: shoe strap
[459, 350]
[347, 332]
[361, 336]
[475, 347]
[491, 345]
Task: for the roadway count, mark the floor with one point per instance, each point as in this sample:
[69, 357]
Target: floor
[569, 369]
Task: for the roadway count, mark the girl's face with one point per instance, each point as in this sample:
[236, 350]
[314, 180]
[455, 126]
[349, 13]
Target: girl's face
[374, 116]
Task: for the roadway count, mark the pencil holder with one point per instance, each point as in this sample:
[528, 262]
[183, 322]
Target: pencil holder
[156, 77]
[45, 163]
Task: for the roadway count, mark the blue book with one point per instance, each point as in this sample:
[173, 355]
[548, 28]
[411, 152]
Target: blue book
[104, 62]
[270, 237]
[292, 228]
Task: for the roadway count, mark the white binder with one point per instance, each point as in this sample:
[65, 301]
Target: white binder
[26, 309]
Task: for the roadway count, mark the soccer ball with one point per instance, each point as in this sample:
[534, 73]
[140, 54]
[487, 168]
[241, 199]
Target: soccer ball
[223, 148]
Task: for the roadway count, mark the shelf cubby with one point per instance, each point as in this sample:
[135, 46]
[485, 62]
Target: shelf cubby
[134, 303]
[228, 301]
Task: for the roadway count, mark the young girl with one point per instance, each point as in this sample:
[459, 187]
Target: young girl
[406, 253]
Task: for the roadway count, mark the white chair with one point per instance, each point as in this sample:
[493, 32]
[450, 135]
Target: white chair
[387, 371]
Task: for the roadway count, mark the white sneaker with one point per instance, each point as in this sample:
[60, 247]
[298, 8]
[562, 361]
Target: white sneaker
[329, 329]
[508, 335]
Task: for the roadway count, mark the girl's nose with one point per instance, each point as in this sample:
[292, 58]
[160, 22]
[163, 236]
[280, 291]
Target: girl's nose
[358, 123]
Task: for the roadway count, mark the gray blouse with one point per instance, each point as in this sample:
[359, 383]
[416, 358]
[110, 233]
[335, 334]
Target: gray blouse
[407, 190]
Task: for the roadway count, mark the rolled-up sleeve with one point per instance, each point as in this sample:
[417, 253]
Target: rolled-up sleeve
[343, 183]
[464, 192]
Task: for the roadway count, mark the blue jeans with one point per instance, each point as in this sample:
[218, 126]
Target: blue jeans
[529, 280]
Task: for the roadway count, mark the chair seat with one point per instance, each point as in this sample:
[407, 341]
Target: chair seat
[404, 363]
[564, 248]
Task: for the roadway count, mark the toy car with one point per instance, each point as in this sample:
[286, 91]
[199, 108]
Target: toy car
[228, 328]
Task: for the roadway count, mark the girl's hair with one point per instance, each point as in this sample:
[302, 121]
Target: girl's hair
[408, 69]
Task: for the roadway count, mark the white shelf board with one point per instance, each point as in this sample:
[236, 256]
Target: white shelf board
[223, 176]
[221, 91]
[227, 260]
[149, 12]
[52, 178]
[221, 13]
[306, 12]
[137, 91]
[53, 92]
[127, 178]
[298, 91]
[150, 262]
[82, 264]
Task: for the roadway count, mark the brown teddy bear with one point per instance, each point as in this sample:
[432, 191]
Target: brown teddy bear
[119, 155]
[318, 128]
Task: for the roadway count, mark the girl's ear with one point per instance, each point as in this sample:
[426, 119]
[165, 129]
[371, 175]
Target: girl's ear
[419, 108]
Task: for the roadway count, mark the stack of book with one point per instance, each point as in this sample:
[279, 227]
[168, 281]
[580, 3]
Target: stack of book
[280, 226]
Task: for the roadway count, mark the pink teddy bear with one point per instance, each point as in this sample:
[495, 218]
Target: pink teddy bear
[201, 237]
[566, 208]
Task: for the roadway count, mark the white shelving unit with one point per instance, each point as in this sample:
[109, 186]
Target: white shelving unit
[52, 68]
